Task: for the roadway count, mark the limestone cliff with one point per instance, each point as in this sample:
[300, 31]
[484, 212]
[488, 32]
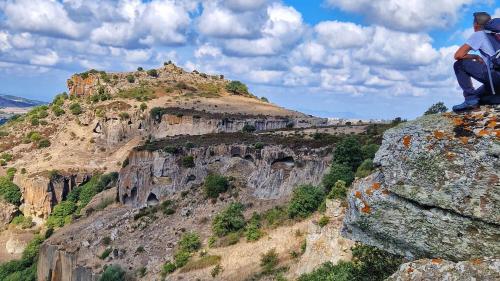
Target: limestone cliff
[269, 172]
[436, 193]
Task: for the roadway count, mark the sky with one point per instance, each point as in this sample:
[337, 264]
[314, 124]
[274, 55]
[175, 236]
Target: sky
[330, 58]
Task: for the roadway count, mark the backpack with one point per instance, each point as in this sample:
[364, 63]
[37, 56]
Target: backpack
[492, 29]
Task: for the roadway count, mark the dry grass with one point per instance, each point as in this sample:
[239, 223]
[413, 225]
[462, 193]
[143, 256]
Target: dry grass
[201, 263]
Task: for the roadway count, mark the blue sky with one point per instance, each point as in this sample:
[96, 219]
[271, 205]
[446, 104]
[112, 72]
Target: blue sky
[366, 59]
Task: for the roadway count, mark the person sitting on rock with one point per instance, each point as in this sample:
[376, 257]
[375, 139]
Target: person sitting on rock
[474, 66]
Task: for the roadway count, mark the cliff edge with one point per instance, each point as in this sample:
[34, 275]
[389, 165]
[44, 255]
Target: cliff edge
[436, 191]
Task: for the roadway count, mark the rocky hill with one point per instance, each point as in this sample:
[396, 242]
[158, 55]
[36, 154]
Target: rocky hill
[13, 101]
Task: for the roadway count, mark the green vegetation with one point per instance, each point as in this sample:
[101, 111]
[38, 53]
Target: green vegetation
[152, 73]
[368, 264]
[348, 152]
[124, 115]
[269, 261]
[264, 99]
[338, 172]
[436, 108]
[57, 110]
[22, 221]
[44, 143]
[258, 145]
[229, 220]
[253, 230]
[368, 150]
[25, 268]
[78, 198]
[105, 253]
[305, 200]
[323, 221]
[248, 128]
[60, 99]
[113, 273]
[216, 271]
[140, 68]
[190, 242]
[236, 87]
[187, 161]
[6, 156]
[75, 108]
[143, 106]
[11, 172]
[100, 95]
[9, 191]
[276, 216]
[365, 169]
[338, 191]
[130, 78]
[215, 185]
[203, 262]
[141, 93]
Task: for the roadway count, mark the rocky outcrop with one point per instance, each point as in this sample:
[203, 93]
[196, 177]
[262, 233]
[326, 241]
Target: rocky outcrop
[436, 193]
[41, 192]
[270, 172]
[485, 269]
[7, 213]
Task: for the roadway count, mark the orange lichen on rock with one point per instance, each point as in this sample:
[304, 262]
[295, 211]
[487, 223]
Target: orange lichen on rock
[409, 270]
[458, 121]
[407, 141]
[492, 124]
[376, 185]
[357, 194]
[464, 140]
[476, 261]
[385, 192]
[366, 209]
[450, 155]
[483, 133]
[438, 135]
[437, 261]
[369, 192]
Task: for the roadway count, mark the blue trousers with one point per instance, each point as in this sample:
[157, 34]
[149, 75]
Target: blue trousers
[467, 69]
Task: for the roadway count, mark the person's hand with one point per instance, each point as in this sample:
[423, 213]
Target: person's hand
[479, 59]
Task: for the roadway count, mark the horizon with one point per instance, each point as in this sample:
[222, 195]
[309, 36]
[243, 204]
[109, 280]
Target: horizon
[372, 60]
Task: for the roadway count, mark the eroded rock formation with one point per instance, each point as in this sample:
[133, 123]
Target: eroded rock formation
[436, 193]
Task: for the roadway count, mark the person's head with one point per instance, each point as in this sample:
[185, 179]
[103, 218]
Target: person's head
[480, 19]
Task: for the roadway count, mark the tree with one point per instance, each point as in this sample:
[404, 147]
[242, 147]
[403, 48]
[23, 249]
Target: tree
[305, 200]
[75, 108]
[436, 108]
[215, 185]
[229, 220]
[153, 73]
[236, 87]
[113, 273]
[348, 152]
[339, 191]
[338, 172]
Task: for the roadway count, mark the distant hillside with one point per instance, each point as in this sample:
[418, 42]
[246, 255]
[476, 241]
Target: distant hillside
[13, 101]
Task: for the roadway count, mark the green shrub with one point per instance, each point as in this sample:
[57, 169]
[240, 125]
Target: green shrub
[188, 162]
[171, 149]
[59, 99]
[34, 136]
[61, 214]
[43, 143]
[231, 238]
[229, 220]
[6, 156]
[269, 261]
[143, 106]
[264, 99]
[105, 253]
[248, 128]
[75, 108]
[25, 268]
[252, 230]
[9, 191]
[124, 115]
[258, 145]
[140, 68]
[22, 221]
[181, 258]
[348, 152]
[323, 221]
[365, 169]
[141, 93]
[338, 191]
[11, 172]
[35, 121]
[152, 73]
[338, 172]
[106, 241]
[113, 273]
[305, 200]
[168, 268]
[236, 87]
[130, 78]
[57, 110]
[436, 108]
[190, 242]
[343, 271]
[3, 134]
[276, 216]
[167, 207]
[368, 150]
[216, 271]
[215, 185]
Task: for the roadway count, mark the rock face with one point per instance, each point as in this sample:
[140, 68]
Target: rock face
[41, 193]
[436, 193]
[7, 213]
[485, 269]
[270, 173]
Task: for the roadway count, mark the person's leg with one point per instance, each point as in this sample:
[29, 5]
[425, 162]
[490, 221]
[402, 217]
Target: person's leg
[467, 69]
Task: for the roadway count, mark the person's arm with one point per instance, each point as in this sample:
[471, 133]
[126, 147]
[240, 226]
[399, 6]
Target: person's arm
[463, 54]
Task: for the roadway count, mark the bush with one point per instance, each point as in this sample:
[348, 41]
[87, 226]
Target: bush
[215, 185]
[190, 242]
[248, 128]
[141, 93]
[130, 78]
[365, 169]
[44, 143]
[25, 268]
[203, 262]
[124, 115]
[167, 207]
[61, 214]
[11, 172]
[57, 110]
[436, 108]
[369, 150]
[153, 73]
[259, 145]
[75, 108]
[22, 221]
[275, 216]
[9, 191]
[105, 253]
[35, 121]
[338, 172]
[216, 271]
[269, 261]
[168, 268]
[181, 258]
[264, 99]
[59, 100]
[348, 152]
[305, 200]
[6, 156]
[113, 273]
[252, 230]
[188, 162]
[143, 106]
[338, 191]
[140, 68]
[323, 221]
[236, 87]
[229, 220]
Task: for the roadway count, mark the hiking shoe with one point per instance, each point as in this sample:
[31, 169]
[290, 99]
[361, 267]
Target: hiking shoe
[466, 105]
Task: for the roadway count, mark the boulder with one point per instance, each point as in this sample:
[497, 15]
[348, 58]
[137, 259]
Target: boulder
[7, 213]
[485, 269]
[436, 193]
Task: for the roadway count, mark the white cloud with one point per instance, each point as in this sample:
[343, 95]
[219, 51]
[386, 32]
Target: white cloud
[41, 16]
[406, 15]
[245, 5]
[218, 21]
[48, 59]
[342, 35]
[4, 41]
[207, 50]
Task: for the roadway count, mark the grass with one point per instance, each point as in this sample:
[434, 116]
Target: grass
[141, 93]
[203, 262]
